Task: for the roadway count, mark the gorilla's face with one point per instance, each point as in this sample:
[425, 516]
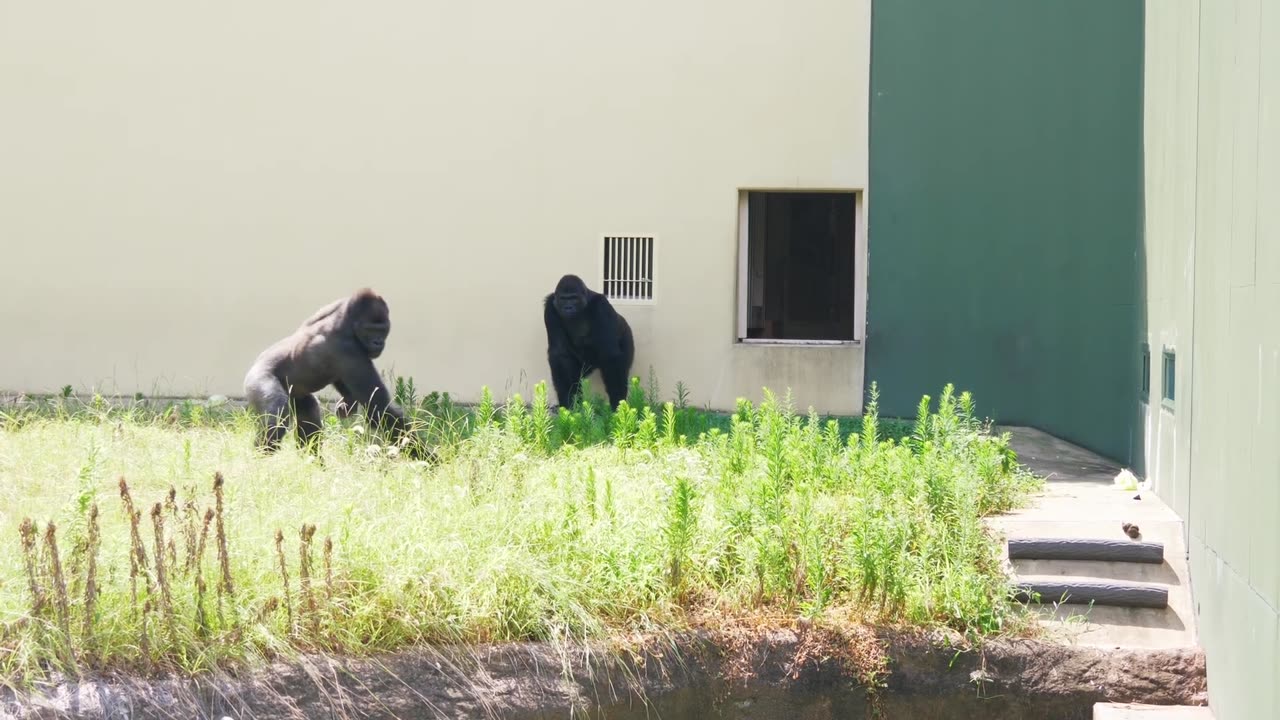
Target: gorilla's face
[571, 297]
[372, 326]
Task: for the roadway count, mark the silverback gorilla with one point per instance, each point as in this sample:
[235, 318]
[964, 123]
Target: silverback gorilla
[584, 332]
[335, 346]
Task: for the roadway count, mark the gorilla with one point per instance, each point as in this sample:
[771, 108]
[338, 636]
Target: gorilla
[335, 346]
[584, 332]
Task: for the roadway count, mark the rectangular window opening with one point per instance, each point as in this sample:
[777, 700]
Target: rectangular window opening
[1146, 371]
[799, 270]
[1168, 376]
[628, 269]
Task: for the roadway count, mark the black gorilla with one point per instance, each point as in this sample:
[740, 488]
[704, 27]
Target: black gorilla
[584, 332]
[335, 346]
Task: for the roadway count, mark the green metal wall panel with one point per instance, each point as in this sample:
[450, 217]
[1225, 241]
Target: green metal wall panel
[1004, 211]
[1231, 437]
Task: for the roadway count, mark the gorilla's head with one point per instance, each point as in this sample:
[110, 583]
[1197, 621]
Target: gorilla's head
[369, 319]
[570, 297]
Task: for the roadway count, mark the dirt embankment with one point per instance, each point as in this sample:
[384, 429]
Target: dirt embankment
[807, 675]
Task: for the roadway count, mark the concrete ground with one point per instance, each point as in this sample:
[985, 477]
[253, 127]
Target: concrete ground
[1081, 501]
[1127, 711]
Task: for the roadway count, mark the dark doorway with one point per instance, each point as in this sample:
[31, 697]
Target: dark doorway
[800, 271]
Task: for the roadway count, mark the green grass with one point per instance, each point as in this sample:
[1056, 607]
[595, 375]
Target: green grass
[529, 525]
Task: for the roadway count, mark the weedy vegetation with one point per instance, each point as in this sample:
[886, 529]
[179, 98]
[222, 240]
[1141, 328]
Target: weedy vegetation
[140, 538]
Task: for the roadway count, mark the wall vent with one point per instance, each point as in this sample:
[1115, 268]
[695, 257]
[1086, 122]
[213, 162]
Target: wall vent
[628, 268]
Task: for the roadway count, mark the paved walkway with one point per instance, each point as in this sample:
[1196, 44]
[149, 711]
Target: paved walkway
[1081, 501]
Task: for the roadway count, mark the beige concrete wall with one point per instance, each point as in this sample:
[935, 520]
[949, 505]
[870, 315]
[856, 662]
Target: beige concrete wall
[182, 184]
[1213, 260]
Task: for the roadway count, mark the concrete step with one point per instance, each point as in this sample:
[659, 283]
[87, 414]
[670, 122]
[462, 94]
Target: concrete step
[1081, 501]
[1088, 527]
[1129, 711]
[1086, 590]
[1149, 573]
[1105, 549]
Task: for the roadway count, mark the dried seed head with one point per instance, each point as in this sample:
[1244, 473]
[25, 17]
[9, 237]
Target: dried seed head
[284, 577]
[162, 579]
[224, 557]
[91, 575]
[28, 531]
[30, 561]
[59, 583]
[328, 563]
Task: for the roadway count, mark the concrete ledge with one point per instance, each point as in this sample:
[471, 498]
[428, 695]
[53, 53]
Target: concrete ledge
[1129, 711]
[1096, 592]
[749, 672]
[1097, 549]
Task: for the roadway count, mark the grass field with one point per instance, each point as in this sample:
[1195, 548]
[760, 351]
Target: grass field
[116, 550]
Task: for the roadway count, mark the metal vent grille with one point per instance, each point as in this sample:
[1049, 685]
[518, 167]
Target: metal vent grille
[628, 268]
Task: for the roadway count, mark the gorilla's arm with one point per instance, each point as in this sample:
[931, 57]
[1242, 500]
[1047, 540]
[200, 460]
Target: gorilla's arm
[347, 404]
[566, 367]
[359, 383]
[604, 330]
[612, 354]
[557, 336]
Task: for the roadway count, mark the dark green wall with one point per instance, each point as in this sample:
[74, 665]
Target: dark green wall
[1005, 208]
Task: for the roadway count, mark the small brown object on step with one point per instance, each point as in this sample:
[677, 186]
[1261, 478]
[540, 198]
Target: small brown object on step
[1131, 530]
